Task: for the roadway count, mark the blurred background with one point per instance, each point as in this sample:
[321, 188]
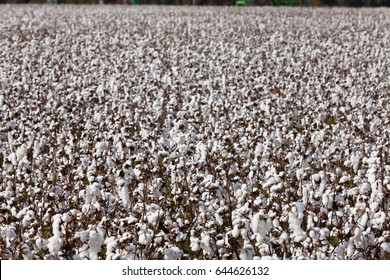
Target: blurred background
[351, 3]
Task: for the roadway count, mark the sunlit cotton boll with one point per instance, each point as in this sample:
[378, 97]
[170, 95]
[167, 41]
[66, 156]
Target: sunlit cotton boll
[172, 253]
[101, 147]
[95, 243]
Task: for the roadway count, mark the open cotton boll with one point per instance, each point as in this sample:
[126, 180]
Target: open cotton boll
[255, 225]
[13, 159]
[154, 212]
[386, 247]
[55, 242]
[218, 218]
[194, 244]
[94, 189]
[247, 252]
[95, 244]
[27, 255]
[30, 215]
[172, 253]
[21, 152]
[350, 249]
[101, 147]
[380, 218]
[235, 231]
[124, 195]
[41, 243]
[295, 218]
[54, 245]
[145, 236]
[205, 243]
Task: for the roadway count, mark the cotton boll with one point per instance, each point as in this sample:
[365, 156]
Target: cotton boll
[255, 223]
[95, 243]
[13, 159]
[218, 218]
[54, 245]
[27, 255]
[94, 189]
[124, 195]
[314, 236]
[247, 252]
[341, 249]
[386, 247]
[357, 238]
[172, 253]
[295, 221]
[145, 236]
[350, 250]
[154, 212]
[380, 218]
[101, 147]
[205, 244]
[363, 220]
[235, 231]
[55, 242]
[30, 215]
[194, 244]
[21, 152]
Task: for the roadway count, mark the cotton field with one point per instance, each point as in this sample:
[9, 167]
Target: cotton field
[155, 132]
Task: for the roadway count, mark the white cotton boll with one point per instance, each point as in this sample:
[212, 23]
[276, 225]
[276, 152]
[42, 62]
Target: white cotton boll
[152, 217]
[315, 178]
[295, 218]
[363, 220]
[195, 244]
[94, 189]
[325, 199]
[124, 195]
[380, 218]
[235, 231]
[355, 159]
[27, 218]
[86, 196]
[350, 249]
[54, 245]
[340, 249]
[95, 243]
[41, 243]
[255, 225]
[145, 236]
[305, 195]
[9, 235]
[21, 152]
[120, 182]
[27, 255]
[84, 235]
[56, 224]
[365, 188]
[218, 218]
[13, 159]
[244, 255]
[371, 175]
[21, 213]
[314, 236]
[137, 172]
[88, 209]
[386, 247]
[220, 243]
[172, 253]
[310, 222]
[100, 147]
[36, 149]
